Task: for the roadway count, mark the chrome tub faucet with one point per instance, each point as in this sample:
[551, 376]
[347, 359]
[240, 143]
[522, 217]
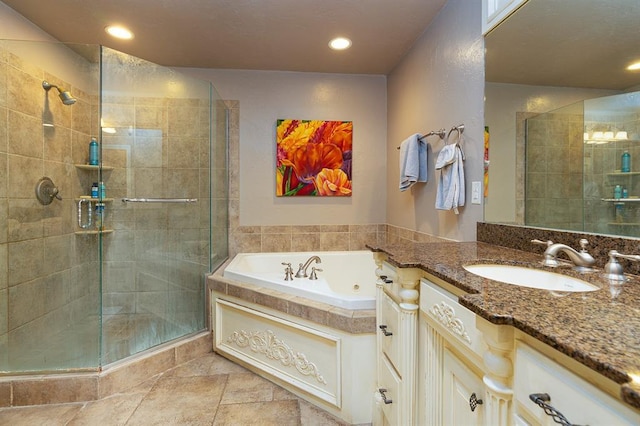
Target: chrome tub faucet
[302, 268]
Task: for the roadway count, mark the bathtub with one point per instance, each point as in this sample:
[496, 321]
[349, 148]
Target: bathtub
[347, 279]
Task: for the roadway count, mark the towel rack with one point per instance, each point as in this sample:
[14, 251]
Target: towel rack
[441, 133]
[459, 128]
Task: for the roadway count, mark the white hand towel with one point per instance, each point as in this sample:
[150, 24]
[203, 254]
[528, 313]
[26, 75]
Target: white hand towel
[413, 162]
[450, 193]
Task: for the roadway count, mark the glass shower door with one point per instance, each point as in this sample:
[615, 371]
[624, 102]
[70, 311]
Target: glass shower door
[156, 134]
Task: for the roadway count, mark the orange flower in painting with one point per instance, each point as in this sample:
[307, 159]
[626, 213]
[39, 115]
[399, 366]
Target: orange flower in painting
[341, 135]
[309, 160]
[293, 135]
[333, 182]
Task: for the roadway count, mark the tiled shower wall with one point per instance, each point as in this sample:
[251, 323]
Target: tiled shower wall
[602, 163]
[567, 179]
[554, 174]
[48, 275]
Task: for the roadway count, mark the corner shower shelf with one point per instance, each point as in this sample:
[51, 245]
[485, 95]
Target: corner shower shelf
[94, 232]
[619, 173]
[90, 167]
[622, 200]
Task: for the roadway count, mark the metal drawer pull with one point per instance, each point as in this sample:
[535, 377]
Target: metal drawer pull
[384, 330]
[160, 200]
[384, 397]
[541, 400]
[474, 402]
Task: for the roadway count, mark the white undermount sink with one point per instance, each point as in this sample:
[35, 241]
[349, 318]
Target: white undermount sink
[528, 277]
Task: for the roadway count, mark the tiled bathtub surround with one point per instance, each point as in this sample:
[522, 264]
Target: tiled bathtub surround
[519, 238]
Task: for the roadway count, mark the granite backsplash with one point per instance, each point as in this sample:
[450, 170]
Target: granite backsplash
[519, 238]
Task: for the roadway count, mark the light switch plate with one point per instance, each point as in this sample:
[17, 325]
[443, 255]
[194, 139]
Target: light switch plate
[476, 192]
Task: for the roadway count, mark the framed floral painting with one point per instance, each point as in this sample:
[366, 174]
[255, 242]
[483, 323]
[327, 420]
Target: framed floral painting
[313, 158]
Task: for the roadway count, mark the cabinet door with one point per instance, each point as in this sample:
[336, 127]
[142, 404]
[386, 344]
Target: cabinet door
[459, 384]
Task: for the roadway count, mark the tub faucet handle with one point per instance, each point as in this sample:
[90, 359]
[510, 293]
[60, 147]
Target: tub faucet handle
[313, 275]
[288, 272]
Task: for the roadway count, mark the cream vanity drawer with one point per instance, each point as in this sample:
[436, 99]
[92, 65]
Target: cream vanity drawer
[390, 385]
[390, 333]
[457, 321]
[579, 401]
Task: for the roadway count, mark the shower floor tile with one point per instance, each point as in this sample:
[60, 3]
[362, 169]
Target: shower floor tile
[208, 390]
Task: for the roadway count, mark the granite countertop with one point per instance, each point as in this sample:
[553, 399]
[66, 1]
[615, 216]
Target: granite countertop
[600, 329]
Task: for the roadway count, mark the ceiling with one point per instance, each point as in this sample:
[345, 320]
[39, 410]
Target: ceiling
[283, 35]
[568, 43]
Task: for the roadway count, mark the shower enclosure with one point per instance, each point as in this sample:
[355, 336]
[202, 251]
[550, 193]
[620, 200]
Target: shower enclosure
[573, 166]
[86, 282]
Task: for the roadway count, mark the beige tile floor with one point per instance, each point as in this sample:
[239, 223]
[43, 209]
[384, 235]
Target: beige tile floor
[208, 390]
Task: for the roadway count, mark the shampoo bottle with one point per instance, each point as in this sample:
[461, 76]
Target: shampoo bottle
[93, 153]
[626, 162]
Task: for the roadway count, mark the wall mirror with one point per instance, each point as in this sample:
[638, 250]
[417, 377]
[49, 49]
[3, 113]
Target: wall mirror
[561, 108]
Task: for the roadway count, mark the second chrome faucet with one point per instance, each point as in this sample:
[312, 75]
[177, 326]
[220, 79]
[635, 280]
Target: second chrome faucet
[582, 260]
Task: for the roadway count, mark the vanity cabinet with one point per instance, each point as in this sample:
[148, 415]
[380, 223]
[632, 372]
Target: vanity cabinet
[473, 372]
[396, 321]
[462, 390]
[495, 11]
[577, 400]
[450, 363]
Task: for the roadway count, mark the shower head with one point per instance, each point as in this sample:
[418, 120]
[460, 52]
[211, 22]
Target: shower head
[65, 96]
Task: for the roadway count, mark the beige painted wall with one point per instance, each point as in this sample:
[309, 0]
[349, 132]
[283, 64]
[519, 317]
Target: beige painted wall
[264, 97]
[439, 83]
[16, 26]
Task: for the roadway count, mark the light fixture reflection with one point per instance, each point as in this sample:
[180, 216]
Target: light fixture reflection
[621, 136]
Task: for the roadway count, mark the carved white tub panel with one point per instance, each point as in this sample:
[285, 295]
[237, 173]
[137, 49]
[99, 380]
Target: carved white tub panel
[292, 352]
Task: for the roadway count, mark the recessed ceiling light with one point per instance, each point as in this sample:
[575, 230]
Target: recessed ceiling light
[340, 43]
[634, 67]
[118, 31]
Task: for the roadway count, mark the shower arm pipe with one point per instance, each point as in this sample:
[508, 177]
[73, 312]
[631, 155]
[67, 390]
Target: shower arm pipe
[160, 200]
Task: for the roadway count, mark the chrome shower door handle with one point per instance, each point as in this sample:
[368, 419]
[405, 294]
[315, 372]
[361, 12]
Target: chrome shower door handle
[160, 200]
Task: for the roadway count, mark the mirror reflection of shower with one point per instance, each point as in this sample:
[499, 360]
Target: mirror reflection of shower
[65, 96]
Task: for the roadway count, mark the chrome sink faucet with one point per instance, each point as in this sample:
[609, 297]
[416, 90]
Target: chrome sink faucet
[582, 260]
[302, 269]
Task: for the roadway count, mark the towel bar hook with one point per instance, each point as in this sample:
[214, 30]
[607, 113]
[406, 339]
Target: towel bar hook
[459, 128]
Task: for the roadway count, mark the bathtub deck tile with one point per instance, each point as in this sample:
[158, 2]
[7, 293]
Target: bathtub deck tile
[363, 321]
[309, 310]
[272, 301]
